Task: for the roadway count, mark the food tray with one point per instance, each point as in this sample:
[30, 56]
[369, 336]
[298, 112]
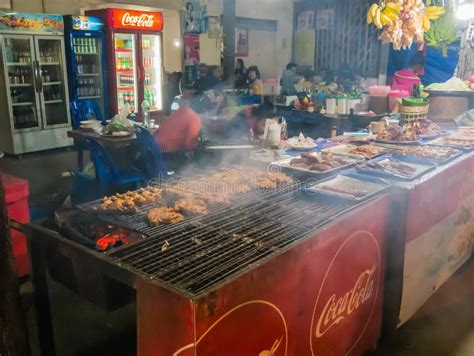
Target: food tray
[411, 143]
[343, 150]
[285, 165]
[422, 166]
[440, 142]
[398, 150]
[353, 180]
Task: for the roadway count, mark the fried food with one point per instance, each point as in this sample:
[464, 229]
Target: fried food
[424, 127]
[394, 133]
[319, 163]
[398, 168]
[191, 206]
[129, 202]
[164, 215]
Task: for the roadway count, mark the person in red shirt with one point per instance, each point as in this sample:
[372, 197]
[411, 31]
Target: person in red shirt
[180, 132]
[251, 121]
[405, 79]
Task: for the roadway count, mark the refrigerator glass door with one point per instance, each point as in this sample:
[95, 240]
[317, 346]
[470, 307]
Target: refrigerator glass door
[88, 70]
[52, 70]
[153, 71]
[126, 70]
[20, 83]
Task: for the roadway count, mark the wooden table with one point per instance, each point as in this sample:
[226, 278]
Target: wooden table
[80, 136]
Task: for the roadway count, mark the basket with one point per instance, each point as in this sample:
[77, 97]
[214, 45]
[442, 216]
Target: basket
[411, 113]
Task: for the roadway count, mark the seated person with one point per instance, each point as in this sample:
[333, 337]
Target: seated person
[405, 79]
[254, 85]
[181, 131]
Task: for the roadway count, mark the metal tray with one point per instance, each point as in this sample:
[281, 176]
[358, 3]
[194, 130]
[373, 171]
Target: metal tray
[395, 150]
[410, 143]
[375, 185]
[423, 166]
[341, 150]
[284, 164]
[441, 144]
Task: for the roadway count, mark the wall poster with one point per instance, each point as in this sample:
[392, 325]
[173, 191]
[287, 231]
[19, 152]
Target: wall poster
[241, 42]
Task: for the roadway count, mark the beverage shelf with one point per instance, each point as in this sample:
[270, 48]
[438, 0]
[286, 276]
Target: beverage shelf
[18, 64]
[125, 88]
[86, 53]
[126, 71]
[52, 83]
[26, 103]
[50, 63]
[21, 85]
[53, 101]
[89, 97]
[87, 74]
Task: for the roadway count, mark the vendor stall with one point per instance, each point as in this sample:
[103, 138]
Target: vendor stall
[204, 281]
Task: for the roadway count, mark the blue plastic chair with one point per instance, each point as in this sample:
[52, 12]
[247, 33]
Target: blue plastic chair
[85, 109]
[108, 175]
[155, 165]
[82, 110]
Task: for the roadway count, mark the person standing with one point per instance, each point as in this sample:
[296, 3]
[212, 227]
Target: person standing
[254, 85]
[240, 74]
[288, 80]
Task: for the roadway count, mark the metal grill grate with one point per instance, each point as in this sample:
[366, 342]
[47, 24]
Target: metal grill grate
[212, 248]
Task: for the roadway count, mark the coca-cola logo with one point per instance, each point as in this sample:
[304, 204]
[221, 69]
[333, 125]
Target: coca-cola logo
[143, 20]
[338, 308]
[347, 296]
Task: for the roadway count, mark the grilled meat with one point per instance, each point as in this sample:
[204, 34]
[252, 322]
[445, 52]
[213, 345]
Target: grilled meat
[164, 215]
[318, 163]
[394, 133]
[191, 206]
[398, 168]
[129, 202]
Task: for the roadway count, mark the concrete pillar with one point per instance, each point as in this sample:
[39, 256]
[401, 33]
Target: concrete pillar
[229, 38]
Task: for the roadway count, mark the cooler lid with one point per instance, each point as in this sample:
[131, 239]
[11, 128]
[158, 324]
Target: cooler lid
[15, 188]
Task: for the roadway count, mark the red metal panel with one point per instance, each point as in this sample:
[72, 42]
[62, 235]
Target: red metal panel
[164, 320]
[322, 297]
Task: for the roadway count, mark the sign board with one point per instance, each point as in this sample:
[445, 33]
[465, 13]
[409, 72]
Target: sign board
[22, 21]
[137, 20]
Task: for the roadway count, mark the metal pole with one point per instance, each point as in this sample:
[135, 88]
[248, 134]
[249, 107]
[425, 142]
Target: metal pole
[13, 332]
[229, 38]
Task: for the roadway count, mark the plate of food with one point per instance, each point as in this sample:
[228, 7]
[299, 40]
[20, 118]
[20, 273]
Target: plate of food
[116, 134]
[317, 164]
[398, 136]
[425, 129]
[397, 166]
[350, 186]
[301, 143]
[366, 151]
[438, 154]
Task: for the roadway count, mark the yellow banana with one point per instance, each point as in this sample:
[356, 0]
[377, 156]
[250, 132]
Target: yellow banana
[392, 14]
[370, 19]
[393, 6]
[385, 19]
[377, 18]
[426, 23]
[373, 10]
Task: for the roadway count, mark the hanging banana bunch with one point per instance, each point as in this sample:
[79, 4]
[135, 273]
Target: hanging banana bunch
[384, 13]
[432, 13]
[442, 32]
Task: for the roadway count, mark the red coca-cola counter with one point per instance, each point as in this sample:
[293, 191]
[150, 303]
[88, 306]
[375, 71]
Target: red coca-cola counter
[321, 297]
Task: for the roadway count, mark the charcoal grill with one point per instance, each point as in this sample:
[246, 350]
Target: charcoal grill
[266, 246]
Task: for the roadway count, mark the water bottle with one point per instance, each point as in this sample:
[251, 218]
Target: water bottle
[146, 113]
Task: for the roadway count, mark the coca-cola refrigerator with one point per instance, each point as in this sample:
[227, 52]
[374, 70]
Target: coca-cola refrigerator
[134, 56]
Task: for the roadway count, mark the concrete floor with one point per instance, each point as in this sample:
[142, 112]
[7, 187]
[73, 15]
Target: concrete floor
[444, 325]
